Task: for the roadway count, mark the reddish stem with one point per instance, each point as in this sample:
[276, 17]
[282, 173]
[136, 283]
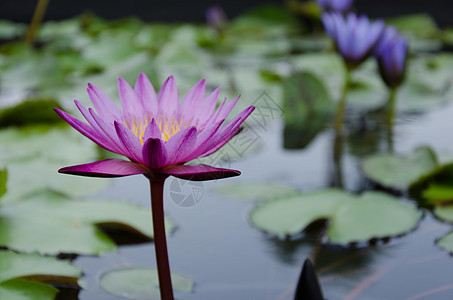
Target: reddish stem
[160, 241]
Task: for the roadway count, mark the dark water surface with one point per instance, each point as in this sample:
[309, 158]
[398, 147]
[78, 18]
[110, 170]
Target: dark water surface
[216, 246]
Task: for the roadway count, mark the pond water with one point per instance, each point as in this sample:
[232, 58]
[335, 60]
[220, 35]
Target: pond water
[216, 245]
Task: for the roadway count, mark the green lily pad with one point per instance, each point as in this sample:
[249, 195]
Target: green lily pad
[399, 171]
[33, 176]
[373, 215]
[33, 112]
[3, 180]
[351, 218]
[445, 213]
[438, 194]
[24, 276]
[257, 191]
[446, 242]
[60, 225]
[441, 176]
[136, 283]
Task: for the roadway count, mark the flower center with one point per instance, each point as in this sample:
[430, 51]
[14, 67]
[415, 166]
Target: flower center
[168, 127]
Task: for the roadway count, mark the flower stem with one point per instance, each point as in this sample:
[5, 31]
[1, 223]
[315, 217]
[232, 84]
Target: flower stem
[342, 103]
[391, 105]
[36, 21]
[160, 241]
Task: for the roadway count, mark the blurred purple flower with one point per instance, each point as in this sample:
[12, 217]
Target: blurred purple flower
[157, 133]
[391, 54]
[341, 6]
[216, 17]
[355, 36]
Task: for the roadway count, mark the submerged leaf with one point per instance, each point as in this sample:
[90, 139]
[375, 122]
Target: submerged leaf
[308, 109]
[136, 283]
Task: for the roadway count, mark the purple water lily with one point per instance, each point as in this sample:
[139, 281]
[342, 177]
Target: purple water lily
[216, 17]
[340, 6]
[391, 54]
[157, 133]
[355, 36]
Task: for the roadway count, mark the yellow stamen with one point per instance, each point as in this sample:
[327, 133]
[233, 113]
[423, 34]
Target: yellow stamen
[168, 127]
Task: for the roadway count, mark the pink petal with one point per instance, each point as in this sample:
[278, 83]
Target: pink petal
[206, 110]
[202, 138]
[200, 172]
[191, 101]
[110, 134]
[168, 98]
[84, 129]
[103, 104]
[128, 99]
[130, 142]
[146, 94]
[181, 145]
[106, 168]
[152, 131]
[226, 133]
[154, 154]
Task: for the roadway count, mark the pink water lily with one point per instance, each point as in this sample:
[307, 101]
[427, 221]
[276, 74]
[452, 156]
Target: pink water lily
[157, 133]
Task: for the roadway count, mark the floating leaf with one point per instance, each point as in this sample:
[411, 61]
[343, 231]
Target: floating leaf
[446, 242]
[308, 108]
[352, 218]
[257, 191]
[440, 176]
[416, 25]
[22, 276]
[135, 283]
[50, 223]
[398, 171]
[34, 112]
[445, 213]
[3, 180]
[373, 215]
[437, 194]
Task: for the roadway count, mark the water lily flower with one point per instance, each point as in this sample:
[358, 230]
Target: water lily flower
[216, 17]
[340, 6]
[391, 54]
[157, 133]
[355, 36]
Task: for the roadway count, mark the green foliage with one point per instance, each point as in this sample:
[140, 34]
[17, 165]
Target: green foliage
[25, 276]
[136, 283]
[68, 226]
[351, 218]
[398, 171]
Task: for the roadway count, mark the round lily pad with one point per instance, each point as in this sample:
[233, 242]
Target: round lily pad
[23, 276]
[140, 283]
[60, 225]
[351, 218]
[399, 171]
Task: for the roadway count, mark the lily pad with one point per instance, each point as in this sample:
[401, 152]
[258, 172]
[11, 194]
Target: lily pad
[37, 111]
[3, 180]
[438, 194]
[24, 276]
[257, 191]
[446, 242]
[399, 171]
[351, 218]
[60, 225]
[441, 176]
[136, 283]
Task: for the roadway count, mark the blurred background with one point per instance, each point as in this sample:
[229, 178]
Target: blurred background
[182, 11]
